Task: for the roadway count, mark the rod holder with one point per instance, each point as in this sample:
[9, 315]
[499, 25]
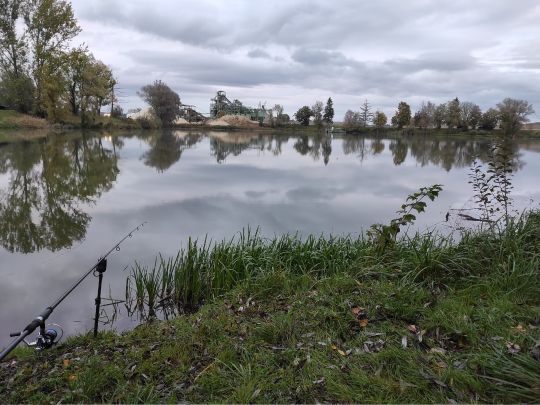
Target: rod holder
[100, 269]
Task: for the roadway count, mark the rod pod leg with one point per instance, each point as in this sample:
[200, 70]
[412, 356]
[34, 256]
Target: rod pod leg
[100, 268]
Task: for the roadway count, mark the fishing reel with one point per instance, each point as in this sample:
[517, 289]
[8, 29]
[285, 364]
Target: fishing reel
[46, 338]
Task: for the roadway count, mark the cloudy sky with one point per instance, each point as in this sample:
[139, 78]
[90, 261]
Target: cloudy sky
[294, 52]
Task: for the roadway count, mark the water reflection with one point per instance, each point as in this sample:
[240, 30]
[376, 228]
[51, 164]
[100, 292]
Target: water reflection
[166, 148]
[41, 206]
[48, 180]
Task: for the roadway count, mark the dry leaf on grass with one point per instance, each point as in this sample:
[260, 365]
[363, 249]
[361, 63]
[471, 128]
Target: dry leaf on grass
[513, 348]
[361, 315]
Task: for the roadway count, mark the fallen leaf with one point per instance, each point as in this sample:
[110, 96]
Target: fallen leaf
[357, 310]
[72, 377]
[334, 347]
[520, 328]
[363, 322]
[65, 363]
[513, 348]
[412, 328]
[342, 352]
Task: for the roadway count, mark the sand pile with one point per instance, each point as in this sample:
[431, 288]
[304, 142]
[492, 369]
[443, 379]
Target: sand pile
[217, 123]
[181, 121]
[240, 121]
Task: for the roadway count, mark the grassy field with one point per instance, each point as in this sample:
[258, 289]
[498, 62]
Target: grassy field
[320, 320]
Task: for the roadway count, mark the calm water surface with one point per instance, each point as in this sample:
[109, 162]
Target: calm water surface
[67, 199]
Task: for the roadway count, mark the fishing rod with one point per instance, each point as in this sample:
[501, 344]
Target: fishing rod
[46, 338]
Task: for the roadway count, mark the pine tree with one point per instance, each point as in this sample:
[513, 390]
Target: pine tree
[328, 116]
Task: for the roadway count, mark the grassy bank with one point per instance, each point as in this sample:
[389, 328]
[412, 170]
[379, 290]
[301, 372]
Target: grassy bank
[335, 320]
[10, 119]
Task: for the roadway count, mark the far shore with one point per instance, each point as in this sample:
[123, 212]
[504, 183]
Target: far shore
[21, 127]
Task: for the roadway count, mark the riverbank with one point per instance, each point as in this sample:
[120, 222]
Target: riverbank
[322, 320]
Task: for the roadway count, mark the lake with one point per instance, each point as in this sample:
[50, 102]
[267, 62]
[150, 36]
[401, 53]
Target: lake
[66, 199]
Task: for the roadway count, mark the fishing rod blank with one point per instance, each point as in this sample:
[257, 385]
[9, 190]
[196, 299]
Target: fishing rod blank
[46, 338]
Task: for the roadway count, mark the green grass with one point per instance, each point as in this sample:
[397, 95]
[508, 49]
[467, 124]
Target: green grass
[274, 321]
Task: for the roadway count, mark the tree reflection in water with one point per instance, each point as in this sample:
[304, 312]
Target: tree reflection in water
[40, 208]
[49, 180]
[167, 146]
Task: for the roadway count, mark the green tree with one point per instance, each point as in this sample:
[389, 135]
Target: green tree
[489, 119]
[379, 119]
[16, 87]
[303, 115]
[50, 26]
[453, 114]
[78, 61]
[513, 114]
[328, 116]
[17, 91]
[402, 116]
[164, 101]
[13, 49]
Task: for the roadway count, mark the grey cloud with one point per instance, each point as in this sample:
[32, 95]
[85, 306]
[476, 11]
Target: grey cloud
[259, 53]
[385, 50]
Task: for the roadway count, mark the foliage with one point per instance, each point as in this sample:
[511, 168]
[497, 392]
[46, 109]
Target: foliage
[403, 115]
[453, 114]
[425, 117]
[513, 114]
[384, 236]
[13, 48]
[50, 25]
[164, 101]
[328, 116]
[303, 115]
[17, 91]
[489, 119]
[492, 187]
[379, 119]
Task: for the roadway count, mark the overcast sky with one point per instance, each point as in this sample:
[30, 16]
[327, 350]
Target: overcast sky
[296, 52]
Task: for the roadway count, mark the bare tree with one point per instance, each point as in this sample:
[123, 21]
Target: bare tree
[317, 110]
[366, 116]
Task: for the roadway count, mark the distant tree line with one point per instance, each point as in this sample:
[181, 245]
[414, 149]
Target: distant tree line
[509, 115]
[39, 72]
[321, 114]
